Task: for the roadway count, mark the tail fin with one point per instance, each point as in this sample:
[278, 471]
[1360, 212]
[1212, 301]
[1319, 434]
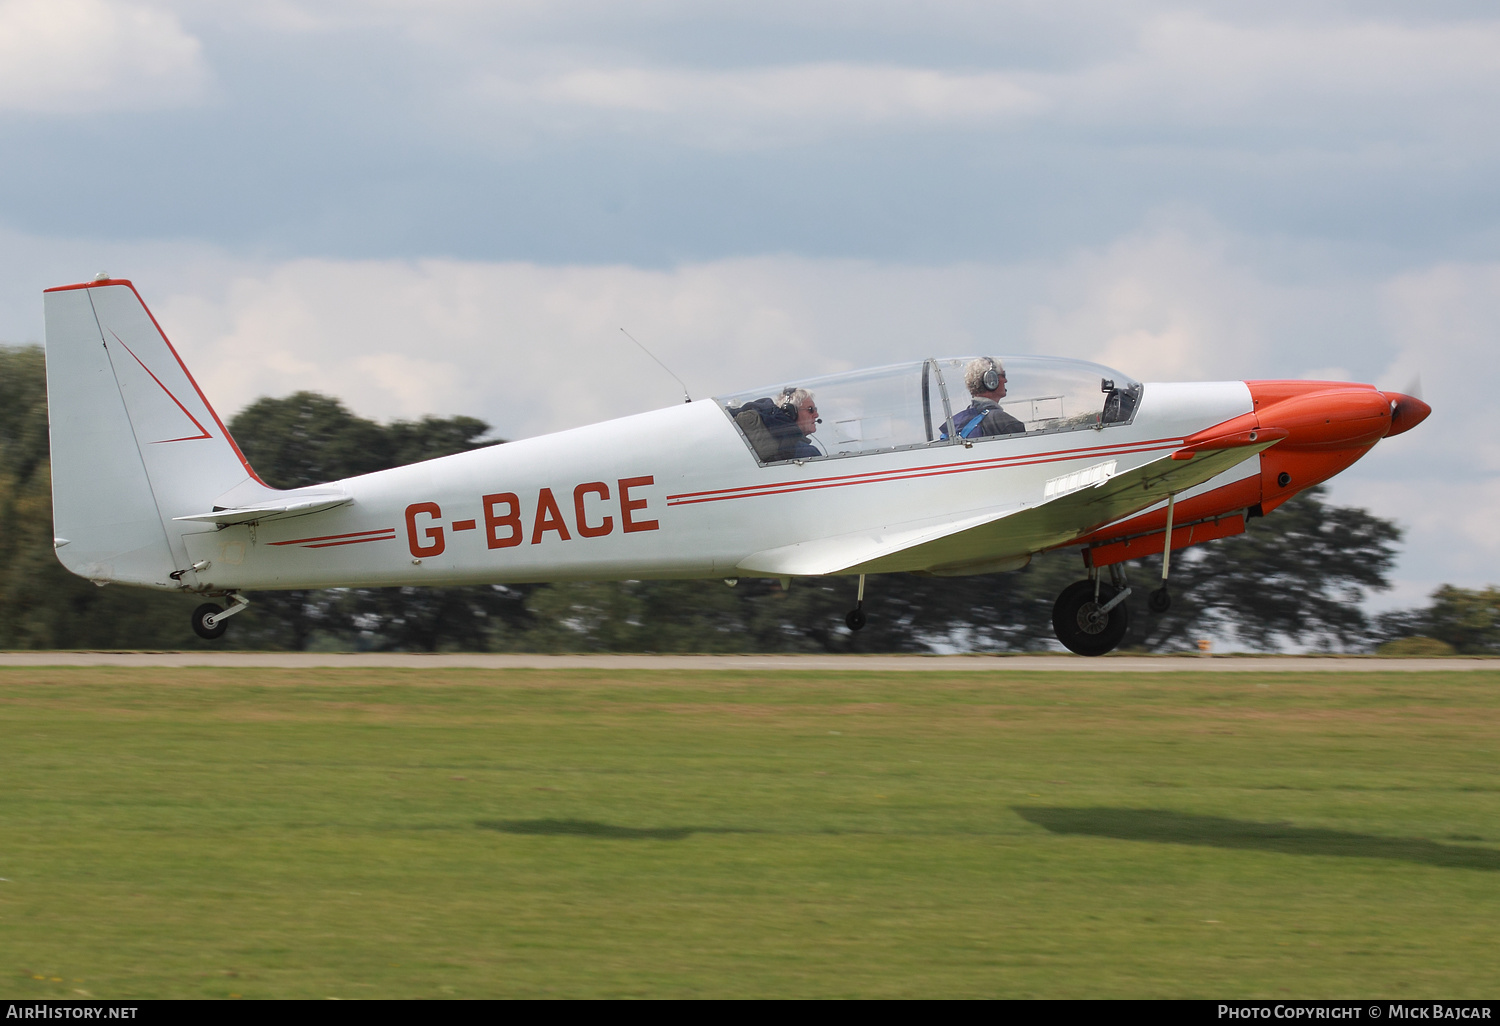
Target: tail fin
[134, 441]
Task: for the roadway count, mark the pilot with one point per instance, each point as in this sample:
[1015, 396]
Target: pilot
[781, 428]
[985, 380]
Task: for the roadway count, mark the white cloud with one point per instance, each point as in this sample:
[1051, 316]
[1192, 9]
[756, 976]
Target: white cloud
[777, 104]
[499, 74]
[1163, 306]
[531, 348]
[502, 339]
[1449, 524]
[80, 56]
[1446, 322]
[1322, 80]
[1191, 68]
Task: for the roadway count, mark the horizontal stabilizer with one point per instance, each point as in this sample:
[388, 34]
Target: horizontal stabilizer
[291, 506]
[980, 540]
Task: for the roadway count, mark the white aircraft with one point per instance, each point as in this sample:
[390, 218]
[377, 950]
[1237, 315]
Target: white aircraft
[880, 471]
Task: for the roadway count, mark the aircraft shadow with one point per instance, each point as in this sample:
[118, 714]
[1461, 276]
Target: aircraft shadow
[589, 828]
[1168, 827]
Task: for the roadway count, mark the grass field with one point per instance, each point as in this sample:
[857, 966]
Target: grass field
[466, 833]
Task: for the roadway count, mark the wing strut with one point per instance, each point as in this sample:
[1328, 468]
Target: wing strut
[1160, 600]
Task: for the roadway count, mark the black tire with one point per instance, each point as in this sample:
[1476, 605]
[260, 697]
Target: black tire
[855, 621]
[201, 627]
[1160, 600]
[1074, 621]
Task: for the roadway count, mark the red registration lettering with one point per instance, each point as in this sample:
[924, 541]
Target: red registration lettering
[548, 518]
[628, 505]
[433, 534]
[511, 520]
[600, 489]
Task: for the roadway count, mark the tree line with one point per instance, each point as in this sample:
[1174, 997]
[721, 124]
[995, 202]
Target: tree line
[1296, 577]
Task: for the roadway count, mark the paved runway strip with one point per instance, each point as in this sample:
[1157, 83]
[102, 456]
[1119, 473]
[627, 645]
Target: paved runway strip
[871, 663]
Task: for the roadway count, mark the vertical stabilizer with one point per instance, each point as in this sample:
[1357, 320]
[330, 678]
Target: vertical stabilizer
[134, 442]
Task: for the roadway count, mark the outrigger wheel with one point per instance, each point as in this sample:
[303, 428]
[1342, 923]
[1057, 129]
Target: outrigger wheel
[1080, 625]
[200, 622]
[855, 621]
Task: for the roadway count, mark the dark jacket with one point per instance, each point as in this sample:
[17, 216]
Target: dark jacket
[982, 418]
[773, 432]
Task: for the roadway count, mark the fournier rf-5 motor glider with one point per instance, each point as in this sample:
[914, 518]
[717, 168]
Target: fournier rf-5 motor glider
[942, 466]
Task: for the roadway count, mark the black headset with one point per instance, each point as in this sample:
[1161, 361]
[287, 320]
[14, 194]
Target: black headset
[788, 401]
[991, 379]
[788, 404]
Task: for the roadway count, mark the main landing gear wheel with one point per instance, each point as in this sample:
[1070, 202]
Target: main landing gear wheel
[200, 622]
[1080, 625]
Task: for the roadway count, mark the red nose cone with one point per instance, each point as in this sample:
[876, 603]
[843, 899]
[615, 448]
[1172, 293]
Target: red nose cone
[1406, 412]
[1322, 416]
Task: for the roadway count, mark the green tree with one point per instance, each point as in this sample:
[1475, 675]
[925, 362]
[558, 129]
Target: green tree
[469, 619]
[755, 615]
[1467, 620]
[907, 614]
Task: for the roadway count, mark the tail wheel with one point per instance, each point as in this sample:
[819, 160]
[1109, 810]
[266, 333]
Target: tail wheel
[200, 622]
[1080, 625]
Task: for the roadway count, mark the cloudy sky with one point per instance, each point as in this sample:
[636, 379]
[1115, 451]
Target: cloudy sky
[453, 206]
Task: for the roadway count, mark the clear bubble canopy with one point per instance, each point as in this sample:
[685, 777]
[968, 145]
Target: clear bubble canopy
[929, 402]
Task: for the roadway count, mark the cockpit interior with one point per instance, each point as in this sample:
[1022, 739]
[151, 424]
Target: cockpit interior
[928, 403]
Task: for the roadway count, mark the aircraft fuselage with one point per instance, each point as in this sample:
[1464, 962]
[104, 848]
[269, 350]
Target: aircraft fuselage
[669, 493]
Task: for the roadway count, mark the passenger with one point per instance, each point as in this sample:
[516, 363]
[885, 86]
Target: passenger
[780, 428]
[985, 380]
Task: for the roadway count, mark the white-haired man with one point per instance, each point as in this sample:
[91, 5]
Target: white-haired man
[781, 428]
[985, 380]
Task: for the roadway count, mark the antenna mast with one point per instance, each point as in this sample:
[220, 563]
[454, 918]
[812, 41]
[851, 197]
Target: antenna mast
[685, 397]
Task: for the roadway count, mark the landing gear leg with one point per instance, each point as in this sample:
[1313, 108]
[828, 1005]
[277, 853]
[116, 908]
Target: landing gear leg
[209, 619]
[1160, 600]
[855, 621]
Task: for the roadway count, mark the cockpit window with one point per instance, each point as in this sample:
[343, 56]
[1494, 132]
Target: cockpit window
[939, 401]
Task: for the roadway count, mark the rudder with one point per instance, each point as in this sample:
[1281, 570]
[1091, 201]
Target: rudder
[134, 442]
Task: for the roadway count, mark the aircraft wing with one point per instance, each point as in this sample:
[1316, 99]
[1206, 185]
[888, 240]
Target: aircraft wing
[1003, 537]
[276, 509]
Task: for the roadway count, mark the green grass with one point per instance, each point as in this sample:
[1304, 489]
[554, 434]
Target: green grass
[469, 833]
